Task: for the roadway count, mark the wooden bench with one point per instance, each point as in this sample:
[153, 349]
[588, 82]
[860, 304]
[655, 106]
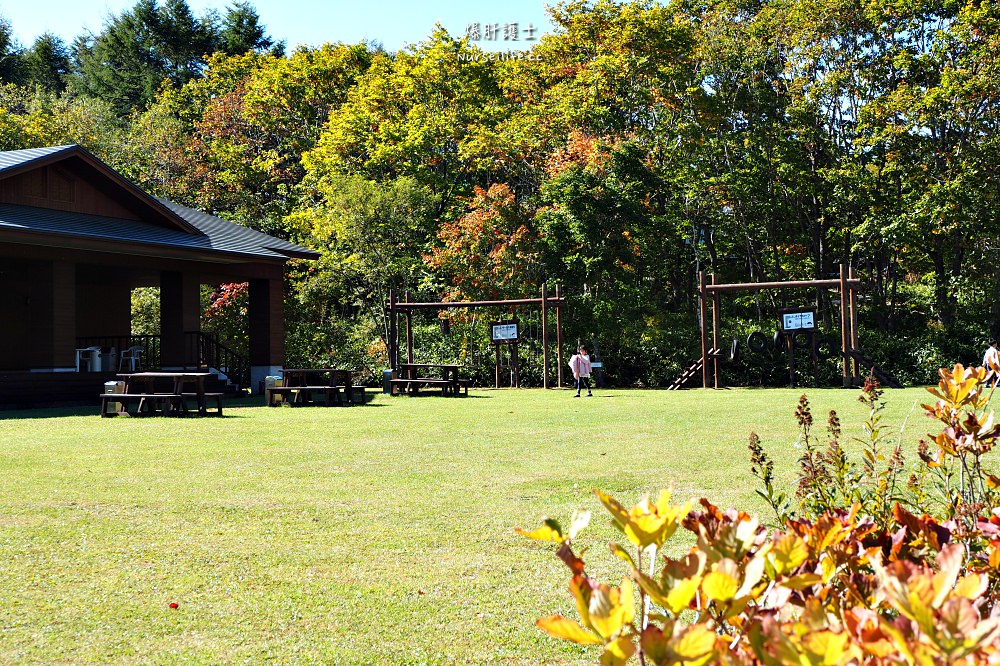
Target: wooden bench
[412, 386]
[147, 403]
[463, 385]
[217, 397]
[304, 395]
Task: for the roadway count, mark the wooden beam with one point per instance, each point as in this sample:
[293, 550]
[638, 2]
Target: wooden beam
[393, 357]
[703, 313]
[559, 339]
[715, 333]
[853, 328]
[760, 286]
[479, 304]
[409, 337]
[544, 302]
[843, 326]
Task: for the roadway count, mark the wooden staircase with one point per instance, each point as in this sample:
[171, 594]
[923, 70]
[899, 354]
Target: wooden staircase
[692, 371]
[884, 377]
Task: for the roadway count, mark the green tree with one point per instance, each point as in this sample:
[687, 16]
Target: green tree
[241, 32]
[47, 63]
[11, 65]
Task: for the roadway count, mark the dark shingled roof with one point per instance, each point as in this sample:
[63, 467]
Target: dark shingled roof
[210, 233]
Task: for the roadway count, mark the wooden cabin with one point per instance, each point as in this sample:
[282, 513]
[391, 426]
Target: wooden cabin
[76, 238]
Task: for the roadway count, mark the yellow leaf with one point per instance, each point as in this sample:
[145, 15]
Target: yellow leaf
[645, 529]
[618, 652]
[622, 554]
[828, 646]
[993, 481]
[560, 627]
[626, 595]
[802, 581]
[695, 643]
[971, 587]
[680, 595]
[719, 586]
[543, 533]
[829, 569]
[789, 553]
[618, 512]
[606, 613]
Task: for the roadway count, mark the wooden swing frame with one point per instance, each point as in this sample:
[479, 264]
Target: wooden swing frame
[546, 303]
[848, 286]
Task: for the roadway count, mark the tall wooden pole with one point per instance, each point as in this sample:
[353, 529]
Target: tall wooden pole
[851, 291]
[703, 312]
[844, 326]
[516, 364]
[497, 369]
[409, 337]
[545, 337]
[715, 333]
[393, 364]
[559, 338]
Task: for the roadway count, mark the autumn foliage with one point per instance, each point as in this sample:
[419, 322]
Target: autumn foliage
[836, 583]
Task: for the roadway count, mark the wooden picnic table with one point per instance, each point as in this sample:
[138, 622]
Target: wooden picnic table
[302, 385]
[142, 386]
[413, 376]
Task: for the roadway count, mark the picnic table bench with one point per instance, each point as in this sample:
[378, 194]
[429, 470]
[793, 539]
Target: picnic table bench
[414, 376]
[316, 386]
[140, 390]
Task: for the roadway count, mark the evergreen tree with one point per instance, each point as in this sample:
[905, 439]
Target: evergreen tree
[241, 32]
[11, 63]
[47, 63]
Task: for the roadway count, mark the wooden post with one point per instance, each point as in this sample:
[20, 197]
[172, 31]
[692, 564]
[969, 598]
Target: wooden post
[409, 336]
[790, 345]
[853, 313]
[843, 326]
[545, 337]
[814, 357]
[559, 340]
[516, 365]
[702, 311]
[393, 362]
[715, 332]
[497, 369]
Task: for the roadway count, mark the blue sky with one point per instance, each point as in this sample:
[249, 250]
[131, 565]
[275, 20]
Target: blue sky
[312, 22]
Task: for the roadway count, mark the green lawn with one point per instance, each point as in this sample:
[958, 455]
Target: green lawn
[377, 534]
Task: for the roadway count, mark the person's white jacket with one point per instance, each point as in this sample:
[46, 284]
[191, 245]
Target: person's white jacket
[580, 365]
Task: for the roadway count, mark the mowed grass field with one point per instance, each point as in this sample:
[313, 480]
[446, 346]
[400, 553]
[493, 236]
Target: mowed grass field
[381, 534]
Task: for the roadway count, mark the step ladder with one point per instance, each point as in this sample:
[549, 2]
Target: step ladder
[692, 371]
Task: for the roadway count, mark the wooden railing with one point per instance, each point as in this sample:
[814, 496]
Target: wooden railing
[201, 350]
[150, 344]
[210, 353]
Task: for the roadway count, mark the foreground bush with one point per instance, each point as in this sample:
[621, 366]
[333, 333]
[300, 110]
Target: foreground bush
[867, 569]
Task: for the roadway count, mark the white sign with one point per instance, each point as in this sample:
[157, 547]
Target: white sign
[504, 332]
[794, 321]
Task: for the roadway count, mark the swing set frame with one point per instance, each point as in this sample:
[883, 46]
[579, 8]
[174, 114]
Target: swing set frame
[848, 286]
[395, 307]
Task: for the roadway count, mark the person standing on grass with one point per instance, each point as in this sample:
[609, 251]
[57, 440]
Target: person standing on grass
[991, 359]
[580, 365]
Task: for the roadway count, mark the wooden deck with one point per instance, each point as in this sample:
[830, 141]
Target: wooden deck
[27, 390]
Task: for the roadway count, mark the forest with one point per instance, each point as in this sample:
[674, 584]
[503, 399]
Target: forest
[634, 146]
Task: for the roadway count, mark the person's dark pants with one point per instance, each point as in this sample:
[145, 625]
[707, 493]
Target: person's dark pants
[582, 381]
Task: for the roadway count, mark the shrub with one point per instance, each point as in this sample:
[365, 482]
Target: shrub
[859, 571]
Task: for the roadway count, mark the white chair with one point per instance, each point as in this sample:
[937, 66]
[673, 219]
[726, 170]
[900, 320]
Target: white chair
[91, 356]
[132, 356]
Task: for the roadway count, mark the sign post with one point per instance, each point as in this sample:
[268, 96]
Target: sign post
[506, 334]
